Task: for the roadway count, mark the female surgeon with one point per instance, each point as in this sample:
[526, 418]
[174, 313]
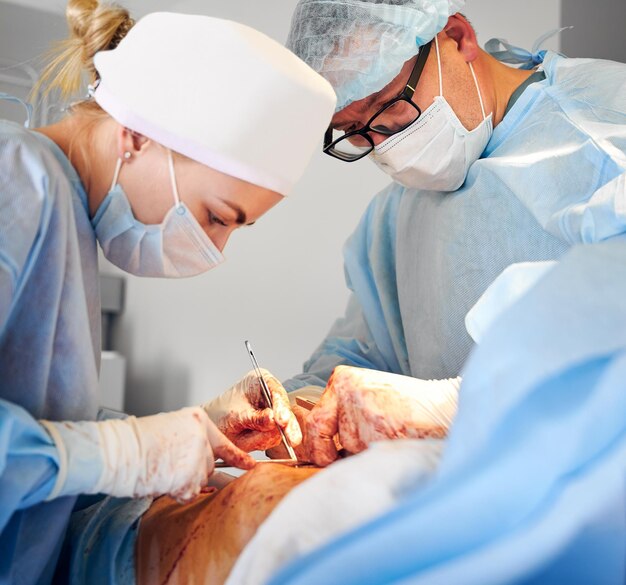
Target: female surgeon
[174, 149]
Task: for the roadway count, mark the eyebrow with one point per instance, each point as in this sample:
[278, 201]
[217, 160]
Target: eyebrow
[373, 99]
[378, 99]
[242, 218]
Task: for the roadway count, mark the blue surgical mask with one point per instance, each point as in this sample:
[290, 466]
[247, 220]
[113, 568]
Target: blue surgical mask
[175, 248]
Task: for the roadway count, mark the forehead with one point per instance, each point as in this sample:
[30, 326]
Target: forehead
[359, 108]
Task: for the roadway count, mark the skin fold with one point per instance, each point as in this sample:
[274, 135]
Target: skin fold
[199, 542]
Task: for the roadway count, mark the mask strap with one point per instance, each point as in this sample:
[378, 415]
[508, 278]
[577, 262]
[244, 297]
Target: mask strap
[480, 95]
[116, 174]
[170, 161]
[439, 67]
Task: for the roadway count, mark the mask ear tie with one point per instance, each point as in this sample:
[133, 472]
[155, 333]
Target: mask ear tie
[480, 95]
[116, 173]
[439, 66]
[170, 162]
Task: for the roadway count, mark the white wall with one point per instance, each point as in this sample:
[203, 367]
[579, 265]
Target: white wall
[25, 33]
[521, 23]
[283, 283]
[604, 39]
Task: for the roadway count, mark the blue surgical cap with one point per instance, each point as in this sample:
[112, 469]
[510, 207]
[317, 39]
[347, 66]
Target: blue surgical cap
[359, 46]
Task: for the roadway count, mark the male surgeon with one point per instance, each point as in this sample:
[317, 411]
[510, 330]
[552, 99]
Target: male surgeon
[492, 166]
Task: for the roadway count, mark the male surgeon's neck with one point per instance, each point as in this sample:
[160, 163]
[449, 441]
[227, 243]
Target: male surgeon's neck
[503, 81]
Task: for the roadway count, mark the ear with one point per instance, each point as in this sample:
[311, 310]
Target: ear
[462, 32]
[131, 141]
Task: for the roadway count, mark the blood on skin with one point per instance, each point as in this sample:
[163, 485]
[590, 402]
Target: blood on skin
[362, 406]
[200, 541]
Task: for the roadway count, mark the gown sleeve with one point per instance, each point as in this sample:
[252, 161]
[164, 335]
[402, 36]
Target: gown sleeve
[28, 461]
[23, 213]
[370, 334]
[349, 342]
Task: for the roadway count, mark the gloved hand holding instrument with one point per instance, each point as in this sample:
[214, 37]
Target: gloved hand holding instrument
[255, 413]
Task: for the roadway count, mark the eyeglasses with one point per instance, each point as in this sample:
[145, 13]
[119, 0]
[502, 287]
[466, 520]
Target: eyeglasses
[395, 116]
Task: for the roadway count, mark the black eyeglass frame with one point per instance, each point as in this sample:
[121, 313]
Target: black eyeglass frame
[406, 95]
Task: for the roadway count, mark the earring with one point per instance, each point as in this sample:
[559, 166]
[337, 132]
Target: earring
[127, 155]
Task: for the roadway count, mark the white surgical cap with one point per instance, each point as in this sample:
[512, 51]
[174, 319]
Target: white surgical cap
[361, 45]
[219, 92]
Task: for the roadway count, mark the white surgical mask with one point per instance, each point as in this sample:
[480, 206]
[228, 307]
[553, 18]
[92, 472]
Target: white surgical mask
[177, 247]
[436, 151]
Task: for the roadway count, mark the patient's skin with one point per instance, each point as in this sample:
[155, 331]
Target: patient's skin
[199, 542]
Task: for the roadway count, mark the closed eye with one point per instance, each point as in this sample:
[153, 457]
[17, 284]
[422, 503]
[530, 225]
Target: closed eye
[214, 219]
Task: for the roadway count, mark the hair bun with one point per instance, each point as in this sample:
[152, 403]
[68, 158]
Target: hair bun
[94, 27]
[79, 14]
[99, 27]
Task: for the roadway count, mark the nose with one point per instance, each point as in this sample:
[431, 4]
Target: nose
[378, 138]
[220, 237]
[358, 140]
[220, 240]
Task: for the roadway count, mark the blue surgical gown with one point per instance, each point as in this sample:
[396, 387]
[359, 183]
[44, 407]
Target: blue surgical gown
[49, 342]
[553, 175]
[532, 485]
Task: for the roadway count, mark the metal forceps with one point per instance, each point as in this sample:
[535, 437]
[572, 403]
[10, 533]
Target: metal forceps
[268, 399]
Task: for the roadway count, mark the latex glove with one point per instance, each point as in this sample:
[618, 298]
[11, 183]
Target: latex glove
[241, 413]
[311, 394]
[362, 406]
[169, 453]
[301, 450]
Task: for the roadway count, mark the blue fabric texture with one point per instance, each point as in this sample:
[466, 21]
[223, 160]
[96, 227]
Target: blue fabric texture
[359, 46]
[101, 542]
[552, 175]
[378, 341]
[531, 486]
[504, 51]
[49, 363]
[49, 288]
[30, 540]
[49, 342]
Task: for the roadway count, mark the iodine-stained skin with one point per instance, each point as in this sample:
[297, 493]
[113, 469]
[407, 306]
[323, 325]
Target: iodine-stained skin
[199, 542]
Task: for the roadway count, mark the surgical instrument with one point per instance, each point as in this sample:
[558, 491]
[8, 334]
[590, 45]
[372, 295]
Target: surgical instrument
[268, 399]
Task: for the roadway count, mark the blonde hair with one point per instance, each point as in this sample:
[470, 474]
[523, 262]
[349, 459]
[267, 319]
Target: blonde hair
[93, 27]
